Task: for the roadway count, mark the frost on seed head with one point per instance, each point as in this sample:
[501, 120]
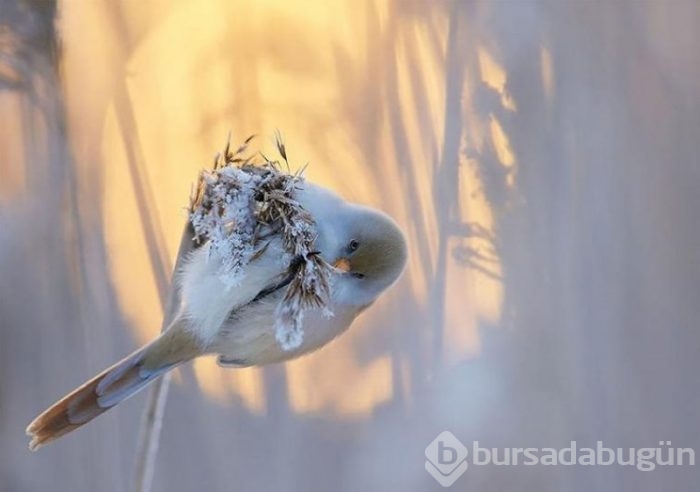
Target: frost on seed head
[234, 210]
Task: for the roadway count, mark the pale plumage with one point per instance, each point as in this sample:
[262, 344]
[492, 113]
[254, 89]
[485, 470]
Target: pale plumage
[237, 323]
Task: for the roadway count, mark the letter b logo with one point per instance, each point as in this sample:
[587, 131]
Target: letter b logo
[446, 459]
[443, 452]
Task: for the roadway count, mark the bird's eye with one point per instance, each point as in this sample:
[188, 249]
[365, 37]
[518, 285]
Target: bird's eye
[354, 244]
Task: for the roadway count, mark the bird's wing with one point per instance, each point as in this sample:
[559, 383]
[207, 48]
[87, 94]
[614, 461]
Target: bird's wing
[207, 300]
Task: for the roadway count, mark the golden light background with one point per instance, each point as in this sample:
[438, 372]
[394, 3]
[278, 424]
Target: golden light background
[153, 92]
[541, 156]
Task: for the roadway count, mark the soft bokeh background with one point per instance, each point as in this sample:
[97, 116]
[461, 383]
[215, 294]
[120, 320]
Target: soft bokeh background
[542, 158]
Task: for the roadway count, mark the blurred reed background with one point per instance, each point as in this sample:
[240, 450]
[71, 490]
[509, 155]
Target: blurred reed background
[542, 157]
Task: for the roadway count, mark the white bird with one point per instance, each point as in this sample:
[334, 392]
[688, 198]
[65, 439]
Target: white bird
[238, 323]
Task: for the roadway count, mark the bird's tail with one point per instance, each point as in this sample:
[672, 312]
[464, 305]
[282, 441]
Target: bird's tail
[107, 389]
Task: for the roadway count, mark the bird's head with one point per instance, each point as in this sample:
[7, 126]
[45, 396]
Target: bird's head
[369, 248]
[366, 247]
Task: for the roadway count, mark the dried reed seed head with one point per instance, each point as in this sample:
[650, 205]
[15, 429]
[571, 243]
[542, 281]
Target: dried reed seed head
[244, 200]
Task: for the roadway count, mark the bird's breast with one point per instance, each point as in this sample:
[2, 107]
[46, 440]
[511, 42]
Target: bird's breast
[247, 338]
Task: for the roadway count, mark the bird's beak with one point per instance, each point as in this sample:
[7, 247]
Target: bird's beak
[342, 264]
